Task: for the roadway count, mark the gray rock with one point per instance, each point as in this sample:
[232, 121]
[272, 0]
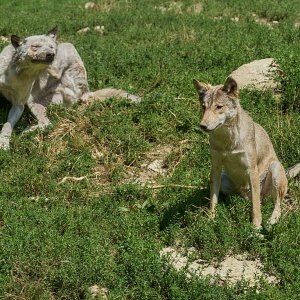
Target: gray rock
[257, 74]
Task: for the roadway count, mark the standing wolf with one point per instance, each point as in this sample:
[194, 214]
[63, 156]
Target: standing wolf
[37, 72]
[243, 157]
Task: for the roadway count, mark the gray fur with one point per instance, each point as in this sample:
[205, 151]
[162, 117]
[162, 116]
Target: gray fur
[20, 65]
[36, 72]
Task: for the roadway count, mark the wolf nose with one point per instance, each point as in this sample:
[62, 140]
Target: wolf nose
[50, 55]
[203, 127]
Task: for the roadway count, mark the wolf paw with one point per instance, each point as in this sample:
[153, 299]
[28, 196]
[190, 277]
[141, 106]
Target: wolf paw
[274, 218]
[258, 232]
[36, 127]
[4, 143]
[212, 214]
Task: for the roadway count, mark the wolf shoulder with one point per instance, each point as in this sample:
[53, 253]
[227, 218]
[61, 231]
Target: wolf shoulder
[5, 58]
[67, 53]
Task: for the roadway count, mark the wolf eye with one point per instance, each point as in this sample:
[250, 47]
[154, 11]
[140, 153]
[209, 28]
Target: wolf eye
[35, 47]
[219, 106]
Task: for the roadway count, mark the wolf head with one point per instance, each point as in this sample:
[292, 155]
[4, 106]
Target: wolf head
[219, 103]
[36, 49]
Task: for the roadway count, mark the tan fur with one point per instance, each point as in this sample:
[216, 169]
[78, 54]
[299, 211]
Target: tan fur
[243, 157]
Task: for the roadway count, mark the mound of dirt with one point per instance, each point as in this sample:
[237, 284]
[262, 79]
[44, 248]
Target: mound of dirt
[232, 269]
[152, 167]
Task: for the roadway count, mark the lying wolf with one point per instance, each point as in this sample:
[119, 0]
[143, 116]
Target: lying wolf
[243, 157]
[20, 65]
[37, 72]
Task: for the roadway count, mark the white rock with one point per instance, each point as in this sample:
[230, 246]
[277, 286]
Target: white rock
[257, 74]
[4, 39]
[99, 29]
[89, 5]
[84, 30]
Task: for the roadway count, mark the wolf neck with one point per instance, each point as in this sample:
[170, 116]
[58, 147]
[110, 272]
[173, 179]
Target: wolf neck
[228, 137]
[19, 81]
[24, 70]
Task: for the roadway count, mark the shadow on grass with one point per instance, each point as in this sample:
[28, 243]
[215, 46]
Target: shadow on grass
[197, 200]
[192, 202]
[23, 123]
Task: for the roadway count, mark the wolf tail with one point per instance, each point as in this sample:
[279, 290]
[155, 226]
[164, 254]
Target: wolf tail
[107, 93]
[292, 172]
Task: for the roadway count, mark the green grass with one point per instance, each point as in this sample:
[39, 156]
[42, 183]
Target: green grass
[58, 239]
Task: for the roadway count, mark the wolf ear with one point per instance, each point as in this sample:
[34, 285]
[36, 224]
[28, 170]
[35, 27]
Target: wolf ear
[201, 88]
[230, 87]
[16, 41]
[53, 32]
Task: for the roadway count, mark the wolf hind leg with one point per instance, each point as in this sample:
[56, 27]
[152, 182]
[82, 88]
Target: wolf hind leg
[278, 189]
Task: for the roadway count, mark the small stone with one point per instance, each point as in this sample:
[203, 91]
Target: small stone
[84, 30]
[4, 39]
[235, 19]
[99, 29]
[89, 5]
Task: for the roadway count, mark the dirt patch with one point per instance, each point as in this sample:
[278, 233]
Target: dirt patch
[195, 9]
[160, 162]
[231, 270]
[233, 19]
[172, 7]
[152, 167]
[177, 7]
[264, 21]
[106, 5]
[97, 291]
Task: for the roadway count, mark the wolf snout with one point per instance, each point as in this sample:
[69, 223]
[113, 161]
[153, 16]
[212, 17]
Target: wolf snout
[50, 56]
[203, 126]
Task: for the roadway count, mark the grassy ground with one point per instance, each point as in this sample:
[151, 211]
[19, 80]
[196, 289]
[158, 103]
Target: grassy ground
[58, 238]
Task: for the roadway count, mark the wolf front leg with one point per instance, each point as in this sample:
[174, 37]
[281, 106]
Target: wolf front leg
[255, 197]
[39, 111]
[14, 115]
[215, 184]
